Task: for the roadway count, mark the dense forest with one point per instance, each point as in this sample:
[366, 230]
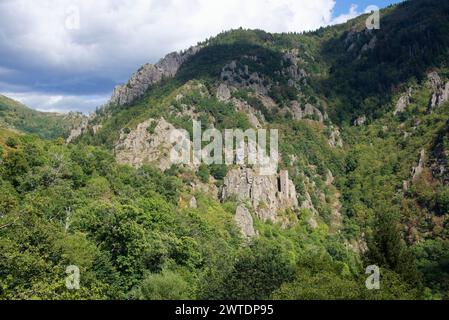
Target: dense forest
[364, 136]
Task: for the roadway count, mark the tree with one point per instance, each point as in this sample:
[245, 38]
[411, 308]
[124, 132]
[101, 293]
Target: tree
[259, 270]
[388, 250]
[166, 285]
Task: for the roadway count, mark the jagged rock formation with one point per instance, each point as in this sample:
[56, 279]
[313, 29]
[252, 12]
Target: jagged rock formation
[368, 46]
[433, 80]
[355, 38]
[244, 221]
[223, 93]
[78, 131]
[252, 114]
[149, 75]
[403, 102]
[439, 97]
[148, 143]
[255, 117]
[440, 91]
[193, 203]
[266, 194]
[335, 140]
[418, 170]
[293, 68]
[236, 75]
[308, 112]
[360, 121]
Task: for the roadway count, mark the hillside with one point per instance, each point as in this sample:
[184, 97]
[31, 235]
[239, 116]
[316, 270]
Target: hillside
[363, 173]
[46, 125]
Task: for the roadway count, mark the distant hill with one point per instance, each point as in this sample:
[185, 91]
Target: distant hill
[17, 116]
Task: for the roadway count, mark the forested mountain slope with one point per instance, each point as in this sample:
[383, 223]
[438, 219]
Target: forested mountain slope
[363, 178]
[16, 116]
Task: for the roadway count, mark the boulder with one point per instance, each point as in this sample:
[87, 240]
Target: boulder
[223, 93]
[244, 221]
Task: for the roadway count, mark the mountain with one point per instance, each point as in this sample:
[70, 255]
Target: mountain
[363, 177]
[17, 116]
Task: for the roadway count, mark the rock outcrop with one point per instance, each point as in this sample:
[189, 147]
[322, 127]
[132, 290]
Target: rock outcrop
[293, 68]
[433, 80]
[418, 170]
[309, 112]
[148, 143]
[252, 114]
[360, 121]
[223, 93]
[236, 75]
[267, 194]
[244, 221]
[149, 75]
[440, 91]
[335, 140]
[78, 131]
[403, 102]
[439, 97]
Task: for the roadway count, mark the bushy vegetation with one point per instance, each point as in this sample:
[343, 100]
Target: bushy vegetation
[46, 125]
[133, 235]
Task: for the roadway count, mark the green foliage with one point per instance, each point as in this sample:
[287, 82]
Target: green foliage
[131, 234]
[11, 142]
[46, 125]
[164, 286]
[259, 270]
[203, 173]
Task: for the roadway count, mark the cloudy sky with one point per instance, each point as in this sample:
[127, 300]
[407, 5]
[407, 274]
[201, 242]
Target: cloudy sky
[61, 55]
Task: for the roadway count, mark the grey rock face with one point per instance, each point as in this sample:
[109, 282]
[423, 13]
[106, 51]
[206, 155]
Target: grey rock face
[335, 140]
[433, 80]
[244, 221]
[439, 97]
[403, 102]
[252, 114]
[240, 77]
[193, 203]
[308, 204]
[360, 121]
[223, 93]
[77, 132]
[308, 111]
[149, 75]
[293, 69]
[418, 170]
[266, 194]
[143, 146]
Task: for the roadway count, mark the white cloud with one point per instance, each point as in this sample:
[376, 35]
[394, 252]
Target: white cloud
[109, 39]
[58, 103]
[346, 16]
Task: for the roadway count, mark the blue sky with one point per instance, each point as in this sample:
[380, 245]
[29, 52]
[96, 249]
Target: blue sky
[62, 55]
[342, 6]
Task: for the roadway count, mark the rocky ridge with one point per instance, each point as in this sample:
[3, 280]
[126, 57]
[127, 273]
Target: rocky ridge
[149, 75]
[267, 195]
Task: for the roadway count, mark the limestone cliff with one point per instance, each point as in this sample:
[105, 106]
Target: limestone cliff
[148, 143]
[149, 75]
[267, 195]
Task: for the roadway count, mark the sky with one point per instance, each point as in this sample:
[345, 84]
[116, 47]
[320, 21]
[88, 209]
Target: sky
[68, 55]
